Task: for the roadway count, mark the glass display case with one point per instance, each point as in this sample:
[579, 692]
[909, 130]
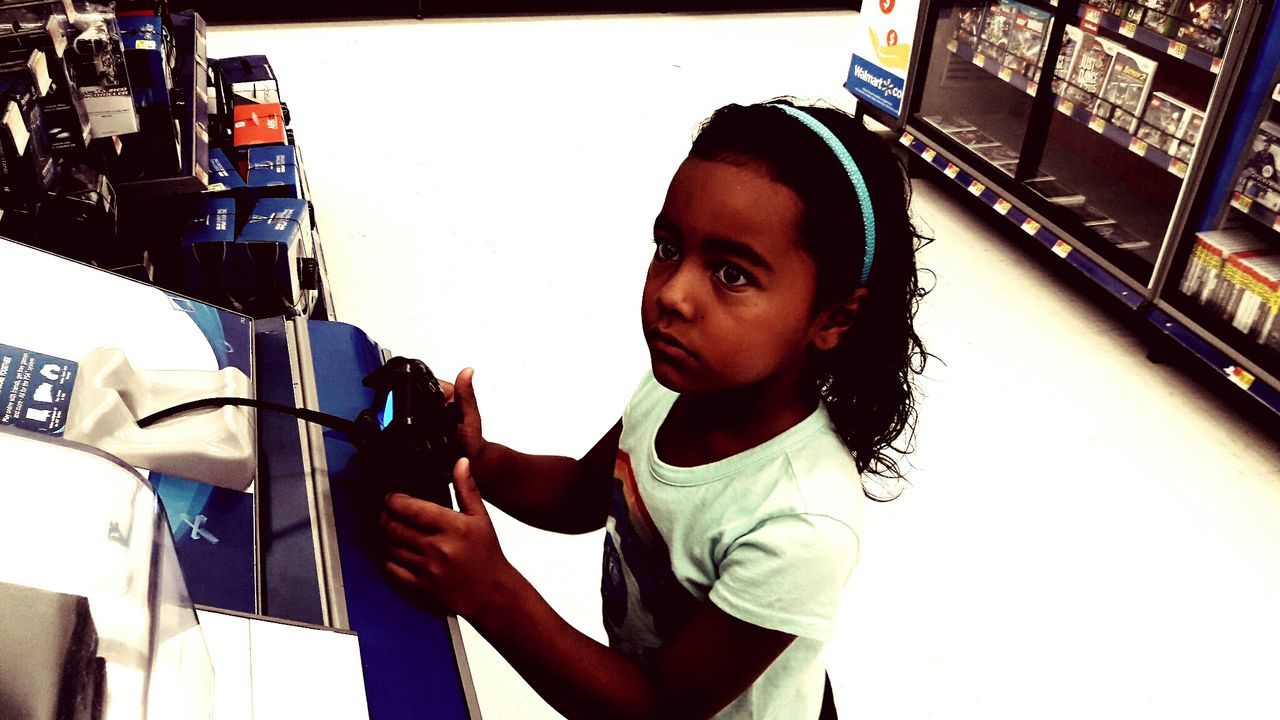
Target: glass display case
[1088, 114]
[88, 542]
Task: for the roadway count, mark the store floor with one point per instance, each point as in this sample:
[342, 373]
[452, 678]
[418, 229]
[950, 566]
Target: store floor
[1086, 535]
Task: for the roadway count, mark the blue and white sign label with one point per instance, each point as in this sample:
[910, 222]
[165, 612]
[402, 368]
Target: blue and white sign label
[35, 389]
[882, 53]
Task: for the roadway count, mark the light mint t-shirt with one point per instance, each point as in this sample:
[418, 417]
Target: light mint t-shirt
[770, 535]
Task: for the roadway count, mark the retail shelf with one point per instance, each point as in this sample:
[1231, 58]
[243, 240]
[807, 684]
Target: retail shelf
[993, 66]
[1029, 225]
[1255, 210]
[325, 311]
[1091, 18]
[1231, 368]
[1117, 135]
[1123, 138]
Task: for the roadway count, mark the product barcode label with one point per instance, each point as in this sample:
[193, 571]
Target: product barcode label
[1030, 227]
[1005, 74]
[929, 154]
[1097, 124]
[1241, 203]
[1177, 49]
[1061, 249]
[1177, 167]
[1138, 146]
[1128, 29]
[1066, 107]
[976, 187]
[144, 45]
[1003, 206]
[907, 138]
[979, 59]
[952, 171]
[1240, 376]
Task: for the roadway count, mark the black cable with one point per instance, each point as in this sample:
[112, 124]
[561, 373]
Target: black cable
[330, 421]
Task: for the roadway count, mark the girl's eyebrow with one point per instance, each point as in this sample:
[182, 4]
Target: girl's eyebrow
[739, 250]
[721, 246]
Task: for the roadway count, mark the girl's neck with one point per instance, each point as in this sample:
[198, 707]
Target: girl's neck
[702, 428]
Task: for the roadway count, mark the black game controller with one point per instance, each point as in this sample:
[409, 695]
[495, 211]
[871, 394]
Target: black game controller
[409, 436]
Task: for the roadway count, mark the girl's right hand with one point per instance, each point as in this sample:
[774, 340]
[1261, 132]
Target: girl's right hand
[469, 431]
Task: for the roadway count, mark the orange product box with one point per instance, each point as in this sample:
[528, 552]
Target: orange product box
[259, 125]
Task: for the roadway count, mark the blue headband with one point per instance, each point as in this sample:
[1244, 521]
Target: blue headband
[855, 177]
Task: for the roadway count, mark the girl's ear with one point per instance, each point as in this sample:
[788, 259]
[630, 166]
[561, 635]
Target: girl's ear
[834, 321]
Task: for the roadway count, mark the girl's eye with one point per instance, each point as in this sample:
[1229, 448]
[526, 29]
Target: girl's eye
[733, 276]
[665, 251]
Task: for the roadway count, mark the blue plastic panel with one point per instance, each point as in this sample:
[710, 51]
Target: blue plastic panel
[410, 669]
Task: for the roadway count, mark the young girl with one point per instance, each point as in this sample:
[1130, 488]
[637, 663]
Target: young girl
[778, 312]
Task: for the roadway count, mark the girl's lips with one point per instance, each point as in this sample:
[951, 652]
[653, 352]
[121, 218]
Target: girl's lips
[667, 344]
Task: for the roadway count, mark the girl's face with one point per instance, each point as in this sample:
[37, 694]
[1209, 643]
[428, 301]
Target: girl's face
[729, 294]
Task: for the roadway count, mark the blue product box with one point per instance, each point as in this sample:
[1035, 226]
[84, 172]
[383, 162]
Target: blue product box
[145, 55]
[222, 172]
[205, 247]
[277, 234]
[273, 171]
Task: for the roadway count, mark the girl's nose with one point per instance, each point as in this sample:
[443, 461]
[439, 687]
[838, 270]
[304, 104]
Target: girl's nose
[678, 293]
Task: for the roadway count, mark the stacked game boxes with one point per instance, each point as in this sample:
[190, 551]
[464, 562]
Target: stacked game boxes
[1008, 32]
[1201, 24]
[1236, 276]
[1171, 125]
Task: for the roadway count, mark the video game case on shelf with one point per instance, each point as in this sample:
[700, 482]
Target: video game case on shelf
[1189, 135]
[997, 25]
[1089, 71]
[1055, 192]
[997, 154]
[1162, 121]
[974, 138]
[1210, 254]
[1126, 88]
[1066, 55]
[1260, 178]
[1120, 238]
[948, 123]
[969, 24]
[1027, 41]
[1162, 16]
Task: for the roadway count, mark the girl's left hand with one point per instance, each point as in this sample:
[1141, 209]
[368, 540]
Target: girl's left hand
[452, 559]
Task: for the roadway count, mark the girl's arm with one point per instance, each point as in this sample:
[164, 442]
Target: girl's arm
[454, 560]
[559, 494]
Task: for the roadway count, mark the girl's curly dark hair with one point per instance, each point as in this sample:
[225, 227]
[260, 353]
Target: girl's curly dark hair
[867, 380]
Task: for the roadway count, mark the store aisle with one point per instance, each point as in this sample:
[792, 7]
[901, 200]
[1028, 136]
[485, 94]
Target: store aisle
[1087, 534]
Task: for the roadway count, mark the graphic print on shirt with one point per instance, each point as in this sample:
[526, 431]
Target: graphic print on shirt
[644, 604]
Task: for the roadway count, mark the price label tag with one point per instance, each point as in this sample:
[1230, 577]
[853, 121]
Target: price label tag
[1275, 224]
[1003, 206]
[1092, 16]
[976, 187]
[1240, 377]
[953, 46]
[1215, 67]
[907, 138]
[1030, 227]
[979, 59]
[1177, 49]
[1241, 203]
[1097, 124]
[1061, 249]
[952, 171]
[1138, 147]
[1032, 89]
[1275, 94]
[1005, 74]
[1066, 107]
[1177, 167]
[929, 154]
[1128, 29]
